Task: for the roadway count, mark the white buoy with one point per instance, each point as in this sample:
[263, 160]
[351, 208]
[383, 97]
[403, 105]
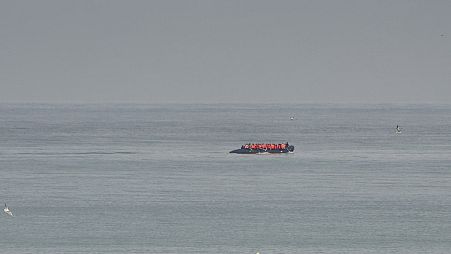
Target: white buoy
[7, 211]
[292, 118]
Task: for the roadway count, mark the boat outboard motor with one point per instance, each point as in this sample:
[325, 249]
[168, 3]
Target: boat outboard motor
[290, 148]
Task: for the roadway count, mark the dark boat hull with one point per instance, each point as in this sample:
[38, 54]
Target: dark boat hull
[290, 149]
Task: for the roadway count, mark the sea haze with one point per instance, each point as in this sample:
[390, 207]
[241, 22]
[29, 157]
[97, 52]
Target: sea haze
[159, 179]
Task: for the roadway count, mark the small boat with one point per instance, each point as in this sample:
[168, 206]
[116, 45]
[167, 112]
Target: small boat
[7, 211]
[264, 149]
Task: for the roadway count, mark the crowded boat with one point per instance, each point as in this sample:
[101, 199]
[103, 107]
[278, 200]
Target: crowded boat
[253, 148]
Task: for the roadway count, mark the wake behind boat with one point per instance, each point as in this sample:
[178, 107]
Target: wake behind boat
[264, 148]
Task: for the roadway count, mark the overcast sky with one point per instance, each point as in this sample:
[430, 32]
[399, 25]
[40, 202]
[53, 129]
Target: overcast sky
[225, 51]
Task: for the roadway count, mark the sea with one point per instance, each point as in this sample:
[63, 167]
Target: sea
[158, 178]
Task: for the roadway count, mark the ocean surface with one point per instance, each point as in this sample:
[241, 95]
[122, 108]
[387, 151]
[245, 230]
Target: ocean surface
[130, 178]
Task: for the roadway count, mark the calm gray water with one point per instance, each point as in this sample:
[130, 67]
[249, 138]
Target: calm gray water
[159, 179]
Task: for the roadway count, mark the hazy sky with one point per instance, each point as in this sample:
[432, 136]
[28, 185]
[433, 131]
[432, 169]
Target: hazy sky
[225, 51]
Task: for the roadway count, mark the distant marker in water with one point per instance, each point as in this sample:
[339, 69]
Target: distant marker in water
[7, 211]
[291, 118]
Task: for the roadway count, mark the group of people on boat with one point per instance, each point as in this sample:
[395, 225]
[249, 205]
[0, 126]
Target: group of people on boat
[265, 146]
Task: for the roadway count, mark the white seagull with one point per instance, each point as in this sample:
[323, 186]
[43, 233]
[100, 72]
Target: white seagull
[7, 211]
